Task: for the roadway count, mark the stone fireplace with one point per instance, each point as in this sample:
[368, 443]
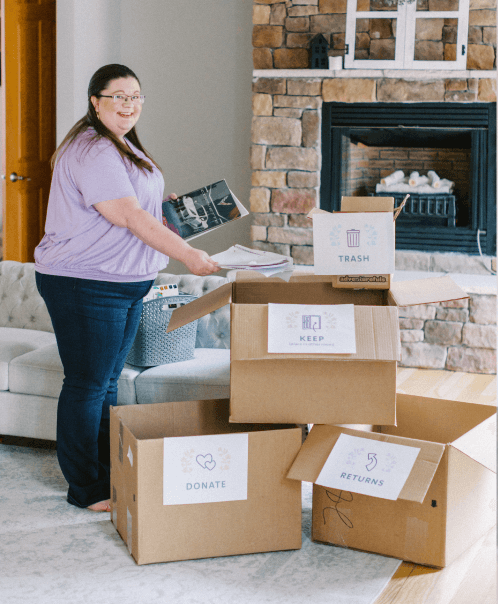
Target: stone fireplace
[288, 156]
[361, 142]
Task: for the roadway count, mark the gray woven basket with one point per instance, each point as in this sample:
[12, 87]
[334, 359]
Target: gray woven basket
[152, 345]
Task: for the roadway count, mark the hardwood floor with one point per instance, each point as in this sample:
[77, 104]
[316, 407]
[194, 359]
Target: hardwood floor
[450, 385]
[471, 579]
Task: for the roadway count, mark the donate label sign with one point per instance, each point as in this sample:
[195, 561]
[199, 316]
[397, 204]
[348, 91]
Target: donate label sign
[204, 469]
[353, 243]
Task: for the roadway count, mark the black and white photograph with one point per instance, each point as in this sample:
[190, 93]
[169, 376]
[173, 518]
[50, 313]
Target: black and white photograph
[203, 210]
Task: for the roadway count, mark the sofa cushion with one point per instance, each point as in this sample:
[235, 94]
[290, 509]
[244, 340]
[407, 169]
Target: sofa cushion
[15, 342]
[206, 376]
[40, 373]
[28, 416]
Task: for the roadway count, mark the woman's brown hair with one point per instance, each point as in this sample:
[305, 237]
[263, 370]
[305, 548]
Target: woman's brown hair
[99, 81]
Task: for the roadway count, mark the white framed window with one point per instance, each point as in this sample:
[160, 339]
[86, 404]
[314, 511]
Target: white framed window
[406, 34]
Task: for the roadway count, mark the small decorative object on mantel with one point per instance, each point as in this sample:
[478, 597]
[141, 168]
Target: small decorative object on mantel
[335, 63]
[319, 53]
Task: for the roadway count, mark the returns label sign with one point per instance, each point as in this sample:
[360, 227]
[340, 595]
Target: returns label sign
[370, 467]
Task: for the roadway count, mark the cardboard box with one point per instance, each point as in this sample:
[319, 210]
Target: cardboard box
[448, 501]
[269, 519]
[308, 388]
[354, 279]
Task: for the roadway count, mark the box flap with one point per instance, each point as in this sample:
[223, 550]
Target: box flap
[426, 291]
[362, 281]
[316, 211]
[376, 328]
[321, 440]
[367, 204]
[360, 204]
[200, 307]
[247, 275]
[480, 443]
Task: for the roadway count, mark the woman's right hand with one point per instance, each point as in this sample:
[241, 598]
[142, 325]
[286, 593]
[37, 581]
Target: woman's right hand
[199, 262]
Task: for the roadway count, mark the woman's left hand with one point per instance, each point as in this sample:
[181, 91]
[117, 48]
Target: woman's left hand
[171, 196]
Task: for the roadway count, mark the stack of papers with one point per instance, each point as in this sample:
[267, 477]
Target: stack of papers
[243, 258]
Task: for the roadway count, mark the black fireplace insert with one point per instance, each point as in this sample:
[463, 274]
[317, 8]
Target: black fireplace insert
[463, 221]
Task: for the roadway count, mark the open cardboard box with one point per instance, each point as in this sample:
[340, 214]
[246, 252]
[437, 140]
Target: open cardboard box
[269, 519]
[354, 280]
[309, 388]
[448, 501]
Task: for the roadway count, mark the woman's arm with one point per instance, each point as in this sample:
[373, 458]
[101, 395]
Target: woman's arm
[127, 213]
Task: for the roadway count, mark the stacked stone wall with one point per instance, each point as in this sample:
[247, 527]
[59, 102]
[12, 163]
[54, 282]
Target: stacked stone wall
[283, 30]
[285, 160]
[458, 335]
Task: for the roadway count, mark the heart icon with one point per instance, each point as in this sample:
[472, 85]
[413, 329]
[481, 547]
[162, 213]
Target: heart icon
[206, 461]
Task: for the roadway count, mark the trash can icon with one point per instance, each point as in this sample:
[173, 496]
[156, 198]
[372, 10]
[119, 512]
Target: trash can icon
[353, 236]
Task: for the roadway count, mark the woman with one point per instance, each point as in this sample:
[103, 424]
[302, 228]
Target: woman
[103, 246]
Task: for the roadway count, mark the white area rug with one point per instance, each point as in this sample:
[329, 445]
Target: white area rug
[52, 552]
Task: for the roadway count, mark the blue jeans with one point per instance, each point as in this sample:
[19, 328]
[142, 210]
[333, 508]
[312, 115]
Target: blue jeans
[95, 323]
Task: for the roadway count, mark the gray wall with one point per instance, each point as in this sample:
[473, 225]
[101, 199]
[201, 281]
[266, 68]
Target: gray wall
[194, 61]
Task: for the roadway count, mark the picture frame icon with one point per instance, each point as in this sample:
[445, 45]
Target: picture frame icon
[313, 322]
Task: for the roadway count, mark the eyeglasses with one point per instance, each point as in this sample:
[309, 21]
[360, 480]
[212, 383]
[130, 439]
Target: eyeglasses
[137, 99]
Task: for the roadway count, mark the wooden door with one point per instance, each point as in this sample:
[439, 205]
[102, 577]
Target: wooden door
[28, 119]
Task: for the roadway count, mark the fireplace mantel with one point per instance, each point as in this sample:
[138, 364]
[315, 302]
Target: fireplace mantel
[406, 74]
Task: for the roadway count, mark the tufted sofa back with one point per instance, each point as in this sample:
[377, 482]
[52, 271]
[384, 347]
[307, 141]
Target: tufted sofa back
[22, 306]
[20, 303]
[213, 330]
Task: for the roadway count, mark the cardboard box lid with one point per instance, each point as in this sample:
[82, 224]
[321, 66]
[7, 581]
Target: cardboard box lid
[426, 291]
[480, 443]
[402, 293]
[296, 277]
[321, 440]
[376, 329]
[222, 295]
[360, 204]
[200, 307]
[367, 204]
[246, 280]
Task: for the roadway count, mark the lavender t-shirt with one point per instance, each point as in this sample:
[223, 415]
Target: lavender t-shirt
[79, 241]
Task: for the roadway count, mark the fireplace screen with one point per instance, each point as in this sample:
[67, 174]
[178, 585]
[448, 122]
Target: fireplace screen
[442, 154]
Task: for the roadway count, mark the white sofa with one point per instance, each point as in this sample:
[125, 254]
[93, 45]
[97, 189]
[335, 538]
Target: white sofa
[31, 372]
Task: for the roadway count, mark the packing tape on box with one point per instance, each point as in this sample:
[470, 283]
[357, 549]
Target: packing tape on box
[129, 523]
[121, 442]
[114, 506]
